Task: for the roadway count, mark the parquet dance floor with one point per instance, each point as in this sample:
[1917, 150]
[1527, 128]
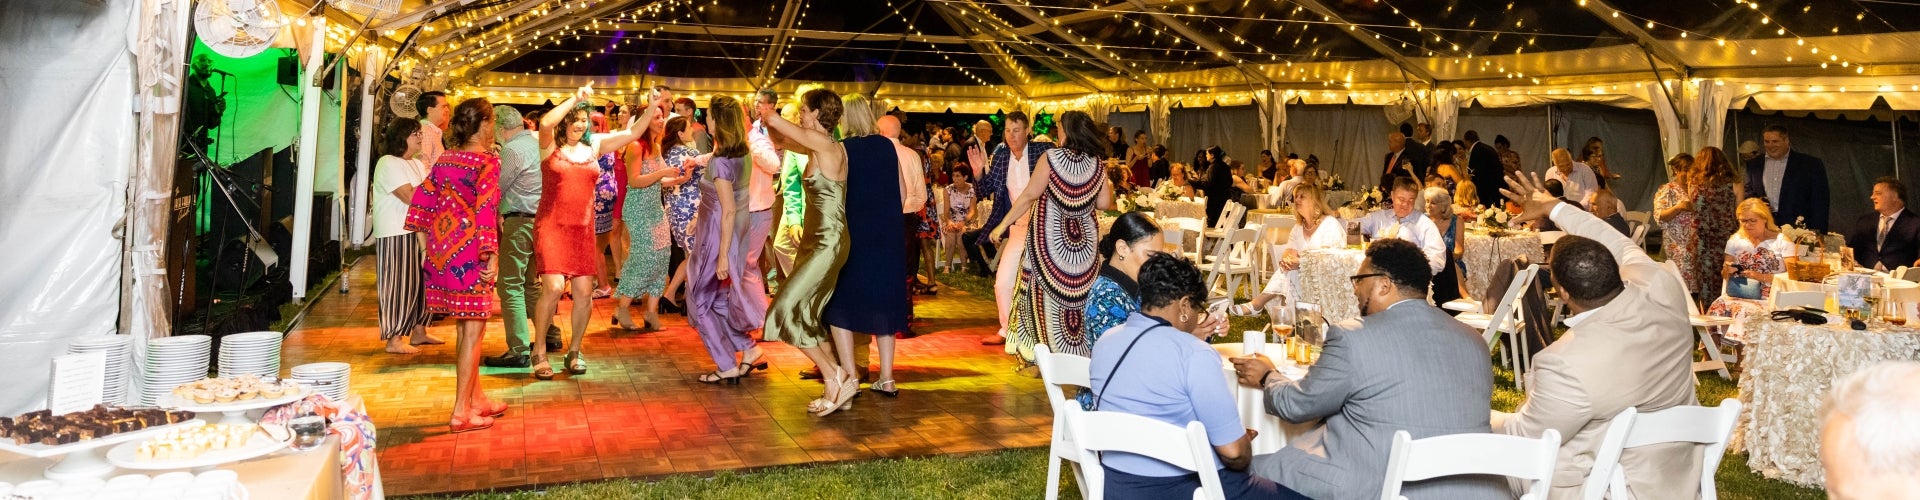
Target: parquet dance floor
[638, 412]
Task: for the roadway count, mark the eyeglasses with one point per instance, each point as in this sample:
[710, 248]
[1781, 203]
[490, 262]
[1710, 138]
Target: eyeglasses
[1749, 221]
[1357, 277]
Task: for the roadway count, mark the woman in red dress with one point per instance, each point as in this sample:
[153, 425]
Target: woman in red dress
[456, 211]
[563, 232]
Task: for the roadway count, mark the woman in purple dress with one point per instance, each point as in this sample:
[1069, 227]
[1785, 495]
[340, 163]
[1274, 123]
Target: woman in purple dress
[725, 295]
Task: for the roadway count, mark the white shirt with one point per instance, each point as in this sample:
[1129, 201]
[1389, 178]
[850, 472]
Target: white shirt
[1331, 233]
[1415, 228]
[1579, 184]
[1739, 245]
[1017, 171]
[389, 211]
[1774, 174]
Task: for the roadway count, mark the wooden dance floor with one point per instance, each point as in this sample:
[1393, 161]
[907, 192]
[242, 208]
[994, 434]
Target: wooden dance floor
[638, 412]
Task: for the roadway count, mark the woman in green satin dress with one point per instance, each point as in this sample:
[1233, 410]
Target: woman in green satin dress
[794, 315]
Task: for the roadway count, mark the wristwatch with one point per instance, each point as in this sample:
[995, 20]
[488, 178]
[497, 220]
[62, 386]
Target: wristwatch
[1264, 377]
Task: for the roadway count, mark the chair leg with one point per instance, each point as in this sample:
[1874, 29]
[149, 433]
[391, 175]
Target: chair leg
[1053, 476]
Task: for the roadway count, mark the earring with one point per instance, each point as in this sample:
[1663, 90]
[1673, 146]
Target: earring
[1183, 318]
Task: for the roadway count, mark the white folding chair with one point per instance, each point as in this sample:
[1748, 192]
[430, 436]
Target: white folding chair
[1057, 370]
[1639, 234]
[1506, 318]
[1276, 230]
[1229, 218]
[1716, 361]
[1187, 448]
[1810, 298]
[1639, 222]
[1530, 459]
[1607, 457]
[1232, 263]
[1707, 426]
[1191, 226]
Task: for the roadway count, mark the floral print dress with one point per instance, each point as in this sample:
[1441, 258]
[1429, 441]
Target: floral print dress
[457, 213]
[1717, 224]
[1680, 237]
[1765, 257]
[683, 201]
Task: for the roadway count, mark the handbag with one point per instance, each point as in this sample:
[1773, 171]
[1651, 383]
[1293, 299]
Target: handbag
[1742, 287]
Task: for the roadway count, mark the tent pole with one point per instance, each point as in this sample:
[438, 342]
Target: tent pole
[309, 149]
[1895, 125]
[363, 170]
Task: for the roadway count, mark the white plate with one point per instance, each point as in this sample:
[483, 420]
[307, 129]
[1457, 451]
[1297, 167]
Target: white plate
[127, 455]
[326, 366]
[170, 401]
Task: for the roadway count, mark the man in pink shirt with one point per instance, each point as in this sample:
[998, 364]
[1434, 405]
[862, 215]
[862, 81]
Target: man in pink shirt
[761, 196]
[434, 114]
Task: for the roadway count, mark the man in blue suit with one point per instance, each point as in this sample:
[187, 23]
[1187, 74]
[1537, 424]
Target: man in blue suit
[1794, 183]
[1003, 178]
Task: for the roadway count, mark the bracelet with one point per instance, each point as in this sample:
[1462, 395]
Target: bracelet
[1263, 378]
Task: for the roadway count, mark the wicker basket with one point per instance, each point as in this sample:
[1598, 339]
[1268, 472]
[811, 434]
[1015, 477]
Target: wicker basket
[1808, 271]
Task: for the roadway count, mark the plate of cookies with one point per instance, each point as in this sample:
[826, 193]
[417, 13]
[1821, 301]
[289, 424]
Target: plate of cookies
[201, 446]
[225, 394]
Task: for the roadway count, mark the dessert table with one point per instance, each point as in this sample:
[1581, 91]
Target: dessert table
[1789, 369]
[1252, 402]
[1484, 252]
[1324, 281]
[313, 474]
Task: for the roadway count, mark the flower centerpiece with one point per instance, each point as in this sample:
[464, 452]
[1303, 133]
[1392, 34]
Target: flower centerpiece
[1371, 199]
[1335, 183]
[1168, 191]
[1494, 220]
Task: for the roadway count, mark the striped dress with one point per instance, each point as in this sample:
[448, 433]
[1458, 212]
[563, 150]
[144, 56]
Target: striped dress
[1049, 304]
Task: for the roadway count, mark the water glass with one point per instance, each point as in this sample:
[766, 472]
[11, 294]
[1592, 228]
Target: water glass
[309, 429]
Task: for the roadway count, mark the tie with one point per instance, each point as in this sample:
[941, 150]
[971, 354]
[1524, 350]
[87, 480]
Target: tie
[1390, 163]
[1880, 240]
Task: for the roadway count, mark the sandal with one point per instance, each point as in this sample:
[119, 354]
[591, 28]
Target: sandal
[469, 424]
[890, 391]
[714, 377]
[495, 410]
[576, 364]
[849, 387]
[541, 370]
[826, 399]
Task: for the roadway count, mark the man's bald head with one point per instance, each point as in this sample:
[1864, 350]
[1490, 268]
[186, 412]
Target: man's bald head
[1563, 160]
[889, 126]
[1396, 141]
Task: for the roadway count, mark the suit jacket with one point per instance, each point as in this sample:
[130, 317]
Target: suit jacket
[1407, 155]
[994, 183]
[1635, 351]
[1803, 190]
[1410, 367]
[1489, 175]
[1901, 248]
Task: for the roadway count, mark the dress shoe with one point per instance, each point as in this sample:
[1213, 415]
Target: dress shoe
[553, 341]
[507, 359]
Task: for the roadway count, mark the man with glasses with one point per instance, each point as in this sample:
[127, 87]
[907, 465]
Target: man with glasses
[1405, 221]
[1405, 366]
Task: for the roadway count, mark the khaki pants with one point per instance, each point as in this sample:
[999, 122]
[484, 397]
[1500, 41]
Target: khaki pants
[519, 287]
[1007, 272]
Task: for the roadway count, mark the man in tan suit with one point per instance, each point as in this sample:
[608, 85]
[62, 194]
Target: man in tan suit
[1628, 344]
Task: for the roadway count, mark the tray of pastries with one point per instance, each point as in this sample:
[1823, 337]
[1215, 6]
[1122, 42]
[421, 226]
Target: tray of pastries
[40, 433]
[201, 446]
[233, 393]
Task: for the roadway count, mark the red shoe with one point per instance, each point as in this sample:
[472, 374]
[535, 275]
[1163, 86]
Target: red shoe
[470, 424]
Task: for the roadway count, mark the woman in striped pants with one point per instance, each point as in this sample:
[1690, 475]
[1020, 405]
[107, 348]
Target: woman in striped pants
[403, 313]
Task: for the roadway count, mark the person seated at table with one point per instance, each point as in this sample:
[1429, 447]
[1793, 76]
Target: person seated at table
[1404, 366]
[1889, 236]
[1605, 205]
[1295, 169]
[1628, 344]
[1867, 443]
[1558, 190]
[1448, 285]
[1760, 252]
[1310, 210]
[1116, 293]
[1158, 365]
[1406, 221]
[1182, 181]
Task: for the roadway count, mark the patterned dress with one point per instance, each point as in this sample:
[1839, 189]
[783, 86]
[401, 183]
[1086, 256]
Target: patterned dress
[606, 194]
[959, 206]
[1113, 297]
[457, 213]
[1059, 266]
[645, 272]
[1717, 224]
[563, 226]
[684, 200]
[1766, 257]
[1680, 237]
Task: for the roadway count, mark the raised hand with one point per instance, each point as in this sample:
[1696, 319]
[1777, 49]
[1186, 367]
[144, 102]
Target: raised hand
[977, 158]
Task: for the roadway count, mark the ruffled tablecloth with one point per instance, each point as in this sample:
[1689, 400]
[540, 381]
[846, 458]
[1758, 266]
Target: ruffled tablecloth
[1324, 281]
[1789, 370]
[1485, 252]
[1173, 208]
[1338, 198]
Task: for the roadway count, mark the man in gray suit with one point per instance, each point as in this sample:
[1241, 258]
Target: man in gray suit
[1405, 366]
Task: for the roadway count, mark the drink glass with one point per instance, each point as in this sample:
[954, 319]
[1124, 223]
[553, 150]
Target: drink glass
[309, 429]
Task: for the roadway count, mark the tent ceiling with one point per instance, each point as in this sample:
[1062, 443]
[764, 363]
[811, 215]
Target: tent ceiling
[1080, 47]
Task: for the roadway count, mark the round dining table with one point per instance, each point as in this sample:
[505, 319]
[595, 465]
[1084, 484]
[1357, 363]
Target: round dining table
[1272, 432]
[1485, 251]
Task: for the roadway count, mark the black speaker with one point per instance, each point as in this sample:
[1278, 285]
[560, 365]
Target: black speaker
[289, 70]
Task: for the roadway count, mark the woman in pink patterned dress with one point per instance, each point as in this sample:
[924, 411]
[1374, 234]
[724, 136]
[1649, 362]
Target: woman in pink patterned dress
[457, 213]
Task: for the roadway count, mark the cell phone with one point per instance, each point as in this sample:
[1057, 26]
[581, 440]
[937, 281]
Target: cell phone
[1218, 309]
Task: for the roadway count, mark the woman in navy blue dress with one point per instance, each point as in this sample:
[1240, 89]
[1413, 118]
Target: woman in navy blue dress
[871, 295]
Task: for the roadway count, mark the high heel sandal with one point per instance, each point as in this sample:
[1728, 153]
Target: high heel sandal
[576, 364]
[890, 391]
[469, 424]
[715, 378]
[542, 370]
[849, 386]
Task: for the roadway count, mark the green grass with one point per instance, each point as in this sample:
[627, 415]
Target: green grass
[1022, 473]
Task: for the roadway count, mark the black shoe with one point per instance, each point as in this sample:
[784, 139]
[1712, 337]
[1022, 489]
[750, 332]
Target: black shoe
[810, 374]
[553, 339]
[507, 359]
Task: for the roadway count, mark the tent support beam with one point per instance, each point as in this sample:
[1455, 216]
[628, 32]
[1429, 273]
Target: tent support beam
[1654, 47]
[1001, 62]
[1201, 39]
[1382, 48]
[1108, 62]
[552, 20]
[779, 47]
[513, 10]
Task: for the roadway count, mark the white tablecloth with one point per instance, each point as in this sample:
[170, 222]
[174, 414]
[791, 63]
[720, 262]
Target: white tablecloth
[1171, 208]
[1896, 289]
[1484, 253]
[1273, 432]
[1324, 281]
[1789, 369]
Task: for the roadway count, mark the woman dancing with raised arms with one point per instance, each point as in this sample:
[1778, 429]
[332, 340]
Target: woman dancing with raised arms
[795, 313]
[645, 271]
[563, 227]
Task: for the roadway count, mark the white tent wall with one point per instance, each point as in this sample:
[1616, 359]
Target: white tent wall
[67, 123]
[1633, 150]
[1236, 129]
[1130, 122]
[1349, 139]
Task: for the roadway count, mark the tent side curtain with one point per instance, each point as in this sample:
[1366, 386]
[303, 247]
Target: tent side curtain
[1234, 128]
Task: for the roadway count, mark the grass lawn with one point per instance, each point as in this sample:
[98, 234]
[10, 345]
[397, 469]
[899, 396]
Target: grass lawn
[1019, 473]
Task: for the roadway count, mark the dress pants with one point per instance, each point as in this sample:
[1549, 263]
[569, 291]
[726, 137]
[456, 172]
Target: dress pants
[1235, 485]
[970, 240]
[1007, 274]
[519, 286]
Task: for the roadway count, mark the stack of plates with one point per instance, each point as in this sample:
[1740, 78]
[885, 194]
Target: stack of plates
[328, 379]
[254, 353]
[119, 349]
[172, 361]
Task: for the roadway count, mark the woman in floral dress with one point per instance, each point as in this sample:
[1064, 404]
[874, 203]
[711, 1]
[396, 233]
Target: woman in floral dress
[955, 215]
[682, 203]
[645, 271]
[1761, 252]
[456, 211]
[1718, 197]
[1676, 208]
